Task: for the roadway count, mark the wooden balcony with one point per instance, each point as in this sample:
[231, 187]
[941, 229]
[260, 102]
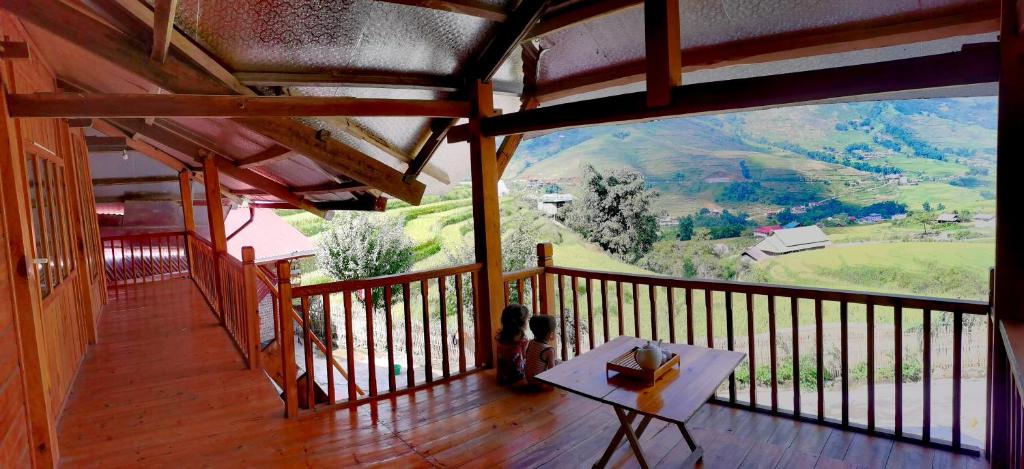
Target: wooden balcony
[165, 386]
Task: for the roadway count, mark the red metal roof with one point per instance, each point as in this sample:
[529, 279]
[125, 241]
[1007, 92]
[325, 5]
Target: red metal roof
[271, 236]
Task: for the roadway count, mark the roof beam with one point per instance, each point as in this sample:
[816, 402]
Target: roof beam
[508, 37]
[141, 147]
[190, 105]
[886, 32]
[661, 40]
[114, 143]
[14, 50]
[352, 128]
[974, 65]
[163, 25]
[330, 188]
[473, 8]
[578, 12]
[79, 123]
[133, 180]
[270, 155]
[228, 168]
[180, 75]
[531, 60]
[351, 80]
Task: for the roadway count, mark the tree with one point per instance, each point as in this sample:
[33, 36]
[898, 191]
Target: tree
[686, 228]
[614, 211]
[941, 207]
[364, 245]
[927, 206]
[518, 252]
[702, 234]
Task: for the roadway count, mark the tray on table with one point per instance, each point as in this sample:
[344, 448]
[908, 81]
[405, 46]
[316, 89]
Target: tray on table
[627, 366]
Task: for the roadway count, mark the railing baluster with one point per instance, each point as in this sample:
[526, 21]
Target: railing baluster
[958, 333]
[590, 312]
[871, 365]
[460, 322]
[898, 339]
[671, 299]
[709, 304]
[636, 309]
[389, 324]
[521, 298]
[506, 292]
[926, 375]
[772, 354]
[652, 298]
[620, 304]
[561, 317]
[730, 342]
[409, 363]
[794, 311]
[751, 350]
[325, 299]
[688, 299]
[533, 293]
[350, 359]
[441, 287]
[604, 307]
[428, 368]
[307, 351]
[575, 317]
[819, 357]
[844, 361]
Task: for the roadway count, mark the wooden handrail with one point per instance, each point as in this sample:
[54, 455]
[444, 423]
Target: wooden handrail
[823, 294]
[376, 282]
[145, 235]
[522, 274]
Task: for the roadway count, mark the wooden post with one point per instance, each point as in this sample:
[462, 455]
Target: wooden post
[287, 337]
[1009, 269]
[251, 304]
[486, 218]
[545, 251]
[664, 68]
[215, 215]
[185, 186]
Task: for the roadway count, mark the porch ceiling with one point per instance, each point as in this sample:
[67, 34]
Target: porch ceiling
[414, 49]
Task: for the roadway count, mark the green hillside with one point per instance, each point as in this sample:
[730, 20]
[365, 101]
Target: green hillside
[945, 148]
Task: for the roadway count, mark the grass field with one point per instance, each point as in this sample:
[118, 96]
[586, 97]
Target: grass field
[952, 197]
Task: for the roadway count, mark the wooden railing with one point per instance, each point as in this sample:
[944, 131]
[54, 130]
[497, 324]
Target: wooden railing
[204, 267]
[140, 258]
[416, 315]
[824, 336]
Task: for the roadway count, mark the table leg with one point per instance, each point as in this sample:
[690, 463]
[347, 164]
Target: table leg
[634, 442]
[617, 439]
[696, 452]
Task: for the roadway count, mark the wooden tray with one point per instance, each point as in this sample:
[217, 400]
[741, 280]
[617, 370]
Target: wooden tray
[627, 366]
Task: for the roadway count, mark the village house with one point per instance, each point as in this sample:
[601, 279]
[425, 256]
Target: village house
[948, 218]
[984, 220]
[787, 241]
[550, 203]
[765, 231]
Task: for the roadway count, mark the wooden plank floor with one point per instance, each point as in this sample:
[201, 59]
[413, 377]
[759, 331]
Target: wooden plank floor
[165, 387]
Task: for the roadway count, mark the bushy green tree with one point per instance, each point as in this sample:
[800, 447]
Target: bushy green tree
[362, 245]
[686, 228]
[614, 211]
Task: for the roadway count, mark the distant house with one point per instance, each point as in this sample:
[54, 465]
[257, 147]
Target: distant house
[786, 241]
[667, 221]
[984, 220]
[899, 216]
[948, 218]
[550, 203]
[764, 231]
[871, 219]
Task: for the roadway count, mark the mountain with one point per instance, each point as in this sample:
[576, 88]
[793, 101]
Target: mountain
[769, 159]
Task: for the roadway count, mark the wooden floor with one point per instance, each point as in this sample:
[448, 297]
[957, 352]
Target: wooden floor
[165, 387]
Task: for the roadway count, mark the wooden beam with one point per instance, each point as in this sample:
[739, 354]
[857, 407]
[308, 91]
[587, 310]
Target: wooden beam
[486, 219]
[485, 66]
[531, 61]
[187, 105]
[886, 32]
[140, 146]
[115, 143]
[218, 234]
[163, 25]
[661, 41]
[366, 203]
[330, 188]
[270, 155]
[338, 157]
[975, 65]
[273, 188]
[354, 79]
[79, 123]
[178, 75]
[473, 8]
[14, 50]
[133, 180]
[577, 12]
[352, 128]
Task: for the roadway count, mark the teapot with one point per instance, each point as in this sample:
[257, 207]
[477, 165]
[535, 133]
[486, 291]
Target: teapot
[649, 356]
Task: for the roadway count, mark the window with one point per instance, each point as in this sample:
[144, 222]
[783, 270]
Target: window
[48, 196]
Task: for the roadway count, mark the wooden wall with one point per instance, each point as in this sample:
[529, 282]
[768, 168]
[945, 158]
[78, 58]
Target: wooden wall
[49, 308]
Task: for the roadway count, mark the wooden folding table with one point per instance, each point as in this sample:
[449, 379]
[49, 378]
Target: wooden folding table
[673, 398]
